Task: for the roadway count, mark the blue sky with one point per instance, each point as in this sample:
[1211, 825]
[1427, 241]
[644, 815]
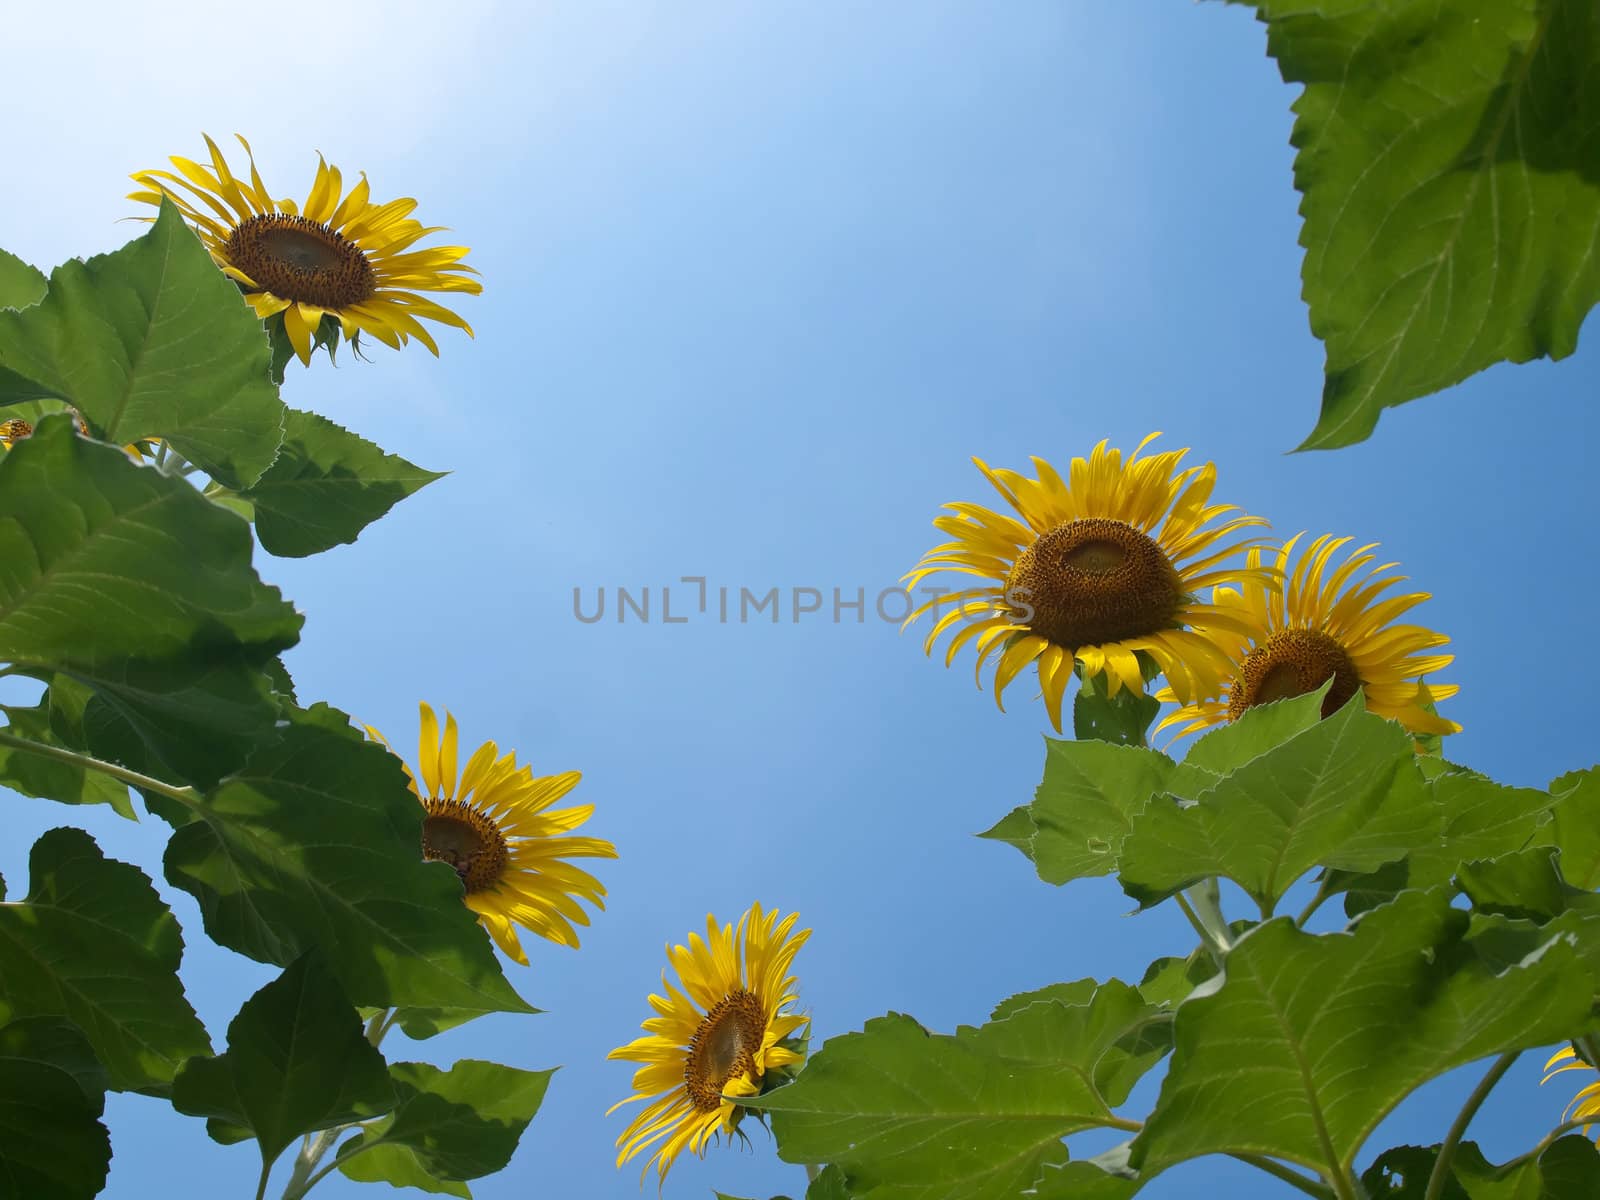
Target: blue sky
[759, 279]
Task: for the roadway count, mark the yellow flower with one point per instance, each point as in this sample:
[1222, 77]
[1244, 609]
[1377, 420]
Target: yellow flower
[1587, 1102]
[1322, 623]
[496, 828]
[14, 431]
[714, 1040]
[1100, 570]
[337, 255]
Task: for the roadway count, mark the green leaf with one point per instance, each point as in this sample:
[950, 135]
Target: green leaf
[52, 1094]
[829, 1185]
[1576, 827]
[297, 1061]
[94, 944]
[1123, 719]
[1168, 981]
[1480, 819]
[21, 285]
[273, 882]
[1102, 1178]
[975, 1115]
[326, 487]
[1568, 1170]
[447, 1127]
[49, 778]
[1084, 807]
[1310, 1041]
[152, 341]
[1526, 884]
[130, 582]
[1450, 194]
[1344, 793]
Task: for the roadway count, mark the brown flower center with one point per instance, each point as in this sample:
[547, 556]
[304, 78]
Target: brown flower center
[14, 430]
[1093, 581]
[469, 841]
[297, 259]
[724, 1048]
[1291, 663]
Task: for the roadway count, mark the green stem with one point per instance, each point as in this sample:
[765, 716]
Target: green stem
[1316, 902]
[812, 1171]
[1206, 897]
[1549, 1139]
[1309, 1186]
[302, 1179]
[1217, 952]
[261, 1187]
[1447, 1151]
[184, 795]
[161, 453]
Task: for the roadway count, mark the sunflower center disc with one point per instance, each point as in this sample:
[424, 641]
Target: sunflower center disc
[1093, 581]
[469, 841]
[724, 1048]
[301, 260]
[1291, 663]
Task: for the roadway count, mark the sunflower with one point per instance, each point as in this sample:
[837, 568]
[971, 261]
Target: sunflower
[338, 255]
[13, 431]
[1322, 623]
[1099, 572]
[496, 828]
[714, 1040]
[1586, 1103]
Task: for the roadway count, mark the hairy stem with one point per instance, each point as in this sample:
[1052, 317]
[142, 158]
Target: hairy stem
[1216, 951]
[1292, 1177]
[184, 795]
[1316, 903]
[1447, 1150]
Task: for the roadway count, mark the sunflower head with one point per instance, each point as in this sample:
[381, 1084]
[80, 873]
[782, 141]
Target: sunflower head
[493, 825]
[1095, 573]
[338, 262]
[724, 1032]
[1324, 620]
[1586, 1103]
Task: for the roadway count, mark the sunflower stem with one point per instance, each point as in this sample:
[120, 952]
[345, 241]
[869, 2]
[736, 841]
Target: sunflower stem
[161, 453]
[1206, 897]
[812, 1171]
[1292, 1177]
[1211, 946]
[261, 1186]
[183, 795]
[1316, 902]
[301, 1179]
[1447, 1150]
[1546, 1142]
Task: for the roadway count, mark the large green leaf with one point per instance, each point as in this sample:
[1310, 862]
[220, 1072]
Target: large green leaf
[1479, 819]
[20, 284]
[1310, 1041]
[1448, 163]
[317, 841]
[326, 487]
[129, 581]
[1569, 1169]
[1343, 793]
[1575, 826]
[52, 1093]
[94, 944]
[297, 1061]
[1093, 790]
[918, 1116]
[50, 778]
[447, 1127]
[152, 341]
[1084, 808]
